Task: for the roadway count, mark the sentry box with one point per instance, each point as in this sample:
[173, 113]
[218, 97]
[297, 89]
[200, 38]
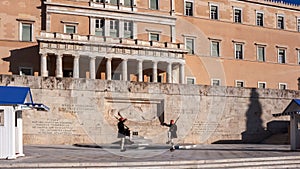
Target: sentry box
[12, 101]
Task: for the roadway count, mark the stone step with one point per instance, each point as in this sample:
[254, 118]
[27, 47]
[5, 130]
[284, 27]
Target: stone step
[281, 138]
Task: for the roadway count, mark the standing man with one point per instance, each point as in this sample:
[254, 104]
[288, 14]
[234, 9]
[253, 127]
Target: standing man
[172, 133]
[123, 131]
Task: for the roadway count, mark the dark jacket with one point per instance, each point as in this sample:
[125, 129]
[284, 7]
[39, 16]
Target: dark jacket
[172, 129]
[122, 130]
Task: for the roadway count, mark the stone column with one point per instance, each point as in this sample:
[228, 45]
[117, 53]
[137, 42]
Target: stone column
[121, 28]
[92, 68]
[44, 71]
[154, 75]
[182, 76]
[76, 66]
[173, 34]
[140, 70]
[124, 69]
[59, 66]
[106, 27]
[169, 73]
[108, 69]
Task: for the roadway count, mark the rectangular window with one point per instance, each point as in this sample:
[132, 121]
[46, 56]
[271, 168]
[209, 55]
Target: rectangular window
[280, 22]
[190, 45]
[215, 48]
[114, 28]
[215, 82]
[239, 83]
[281, 56]
[214, 14]
[188, 8]
[25, 71]
[26, 32]
[239, 51]
[261, 85]
[237, 15]
[113, 2]
[259, 19]
[128, 2]
[128, 29]
[298, 24]
[191, 80]
[70, 29]
[154, 4]
[99, 1]
[1, 117]
[282, 86]
[154, 37]
[99, 27]
[261, 53]
[298, 57]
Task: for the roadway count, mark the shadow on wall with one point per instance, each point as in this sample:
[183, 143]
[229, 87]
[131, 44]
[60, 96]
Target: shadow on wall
[26, 60]
[255, 132]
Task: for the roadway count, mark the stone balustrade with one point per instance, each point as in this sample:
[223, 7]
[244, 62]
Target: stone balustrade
[110, 40]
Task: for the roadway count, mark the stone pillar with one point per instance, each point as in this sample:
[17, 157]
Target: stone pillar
[106, 27]
[76, 66]
[108, 69]
[44, 71]
[92, 68]
[124, 69]
[140, 70]
[182, 76]
[169, 73]
[173, 34]
[294, 134]
[121, 28]
[59, 66]
[172, 12]
[154, 74]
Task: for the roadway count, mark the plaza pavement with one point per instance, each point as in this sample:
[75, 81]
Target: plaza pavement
[156, 156]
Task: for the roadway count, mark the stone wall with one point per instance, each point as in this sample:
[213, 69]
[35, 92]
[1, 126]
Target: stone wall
[85, 111]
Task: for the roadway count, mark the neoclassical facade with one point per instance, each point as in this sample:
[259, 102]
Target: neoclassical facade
[241, 43]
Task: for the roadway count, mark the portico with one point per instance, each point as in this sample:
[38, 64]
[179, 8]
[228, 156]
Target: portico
[106, 58]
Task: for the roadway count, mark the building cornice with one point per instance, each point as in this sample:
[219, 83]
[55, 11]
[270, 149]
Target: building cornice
[273, 4]
[109, 13]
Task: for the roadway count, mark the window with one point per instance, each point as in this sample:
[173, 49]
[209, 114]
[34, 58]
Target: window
[238, 51]
[259, 19]
[239, 83]
[261, 85]
[114, 28]
[99, 1]
[190, 45]
[154, 4]
[99, 27]
[188, 8]
[298, 24]
[214, 14]
[128, 29]
[1, 117]
[282, 86]
[237, 15]
[128, 2]
[298, 57]
[26, 31]
[215, 48]
[113, 2]
[215, 82]
[154, 37]
[25, 71]
[280, 22]
[191, 80]
[261, 53]
[281, 56]
[70, 29]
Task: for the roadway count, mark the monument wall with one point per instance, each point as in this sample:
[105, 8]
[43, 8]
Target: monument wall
[86, 111]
